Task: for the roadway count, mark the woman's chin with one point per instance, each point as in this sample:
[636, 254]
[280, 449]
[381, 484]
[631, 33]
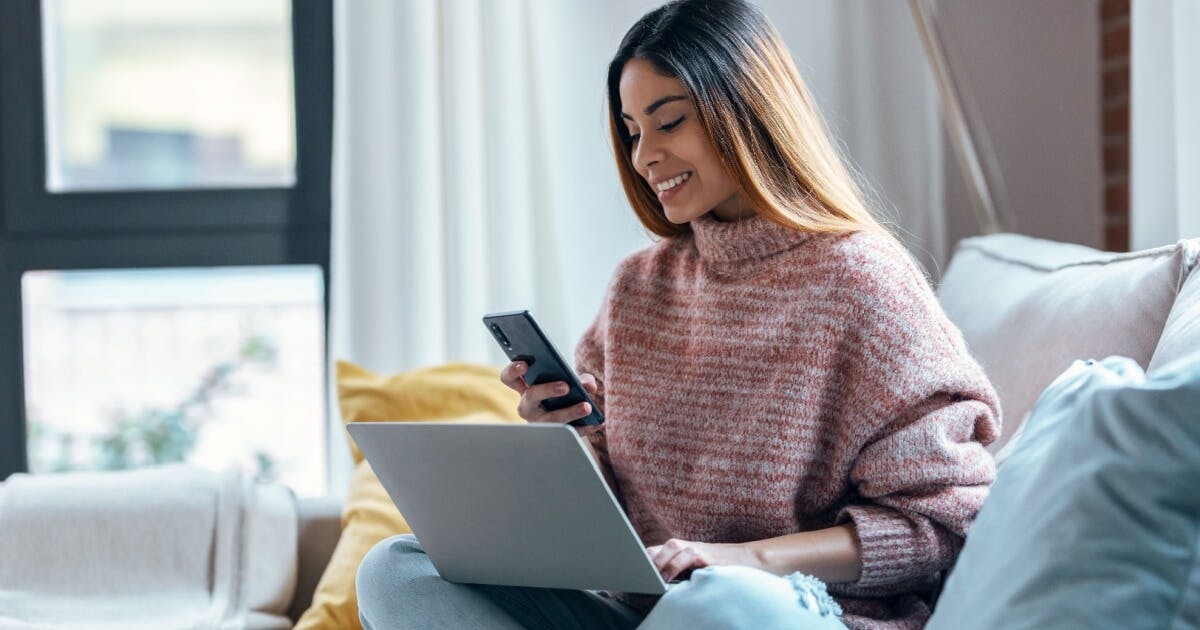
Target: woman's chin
[679, 215]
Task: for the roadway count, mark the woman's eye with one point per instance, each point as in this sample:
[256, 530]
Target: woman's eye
[673, 124]
[632, 138]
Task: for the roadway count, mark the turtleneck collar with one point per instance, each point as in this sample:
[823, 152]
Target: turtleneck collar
[754, 238]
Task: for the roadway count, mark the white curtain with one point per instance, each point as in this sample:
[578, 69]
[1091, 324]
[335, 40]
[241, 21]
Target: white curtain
[472, 170]
[1165, 125]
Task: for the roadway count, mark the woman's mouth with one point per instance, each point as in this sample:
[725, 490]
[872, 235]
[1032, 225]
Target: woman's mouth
[671, 187]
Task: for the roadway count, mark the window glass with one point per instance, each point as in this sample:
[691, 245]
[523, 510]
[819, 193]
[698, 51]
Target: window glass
[213, 367]
[154, 94]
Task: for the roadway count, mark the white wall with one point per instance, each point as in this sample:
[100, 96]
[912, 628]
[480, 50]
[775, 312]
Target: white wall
[1034, 68]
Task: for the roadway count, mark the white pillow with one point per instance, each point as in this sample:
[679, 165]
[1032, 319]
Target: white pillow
[1181, 336]
[1028, 307]
[1093, 521]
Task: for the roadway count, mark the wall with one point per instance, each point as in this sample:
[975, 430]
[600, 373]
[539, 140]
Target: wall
[1035, 72]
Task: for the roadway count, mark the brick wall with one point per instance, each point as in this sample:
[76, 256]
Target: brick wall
[1114, 86]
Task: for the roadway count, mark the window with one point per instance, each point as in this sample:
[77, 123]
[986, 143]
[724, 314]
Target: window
[133, 367]
[151, 94]
[164, 234]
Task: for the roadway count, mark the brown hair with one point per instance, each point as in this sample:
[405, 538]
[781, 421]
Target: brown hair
[754, 108]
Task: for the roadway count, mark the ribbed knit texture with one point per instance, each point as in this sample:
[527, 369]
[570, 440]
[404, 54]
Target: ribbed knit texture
[759, 381]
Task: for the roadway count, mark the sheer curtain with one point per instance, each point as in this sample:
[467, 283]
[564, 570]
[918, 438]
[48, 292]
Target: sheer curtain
[1165, 125]
[472, 170]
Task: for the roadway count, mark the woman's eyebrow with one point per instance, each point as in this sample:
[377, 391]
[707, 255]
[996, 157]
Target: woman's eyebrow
[656, 104]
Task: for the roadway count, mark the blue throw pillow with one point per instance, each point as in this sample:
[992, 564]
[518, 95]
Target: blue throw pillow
[1094, 520]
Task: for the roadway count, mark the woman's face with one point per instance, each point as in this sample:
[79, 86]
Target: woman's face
[670, 151]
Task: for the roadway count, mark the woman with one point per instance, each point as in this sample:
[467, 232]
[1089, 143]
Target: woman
[788, 409]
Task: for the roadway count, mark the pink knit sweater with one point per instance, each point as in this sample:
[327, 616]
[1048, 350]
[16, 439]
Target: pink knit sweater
[759, 381]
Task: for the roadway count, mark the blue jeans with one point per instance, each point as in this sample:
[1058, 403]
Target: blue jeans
[399, 588]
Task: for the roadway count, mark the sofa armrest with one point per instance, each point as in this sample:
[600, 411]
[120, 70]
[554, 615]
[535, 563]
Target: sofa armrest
[319, 525]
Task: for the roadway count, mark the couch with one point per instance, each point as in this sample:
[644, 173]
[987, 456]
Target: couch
[1011, 295]
[1047, 303]
[319, 523]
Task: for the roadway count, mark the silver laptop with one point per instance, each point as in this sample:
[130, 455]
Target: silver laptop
[509, 504]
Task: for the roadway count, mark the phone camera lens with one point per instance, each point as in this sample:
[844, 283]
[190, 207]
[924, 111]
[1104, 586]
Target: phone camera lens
[500, 336]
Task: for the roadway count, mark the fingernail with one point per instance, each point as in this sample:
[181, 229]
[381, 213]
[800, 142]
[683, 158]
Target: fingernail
[562, 389]
[586, 408]
[520, 367]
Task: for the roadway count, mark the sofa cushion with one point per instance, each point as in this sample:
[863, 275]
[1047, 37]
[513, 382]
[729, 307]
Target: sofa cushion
[1028, 307]
[159, 547]
[447, 391]
[1093, 521]
[1181, 336]
[318, 528]
[454, 392]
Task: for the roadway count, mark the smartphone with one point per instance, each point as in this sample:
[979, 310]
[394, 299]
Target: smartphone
[522, 339]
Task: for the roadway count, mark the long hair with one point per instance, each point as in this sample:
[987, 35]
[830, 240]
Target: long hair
[754, 108]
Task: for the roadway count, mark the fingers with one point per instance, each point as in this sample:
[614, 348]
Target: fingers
[530, 408]
[567, 414]
[511, 375]
[532, 397]
[676, 556]
[532, 411]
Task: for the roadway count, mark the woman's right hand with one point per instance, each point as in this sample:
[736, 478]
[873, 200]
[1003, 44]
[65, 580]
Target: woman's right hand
[530, 407]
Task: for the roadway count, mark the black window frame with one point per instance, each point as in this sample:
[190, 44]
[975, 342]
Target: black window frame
[40, 230]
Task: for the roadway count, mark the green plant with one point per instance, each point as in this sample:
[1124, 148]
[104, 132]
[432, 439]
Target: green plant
[168, 435]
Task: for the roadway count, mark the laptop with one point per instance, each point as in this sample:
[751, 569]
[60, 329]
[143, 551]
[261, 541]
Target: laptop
[508, 504]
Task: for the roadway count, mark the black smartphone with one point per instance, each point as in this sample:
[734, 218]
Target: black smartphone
[522, 339]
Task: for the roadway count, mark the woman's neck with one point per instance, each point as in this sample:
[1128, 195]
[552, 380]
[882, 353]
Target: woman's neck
[735, 208]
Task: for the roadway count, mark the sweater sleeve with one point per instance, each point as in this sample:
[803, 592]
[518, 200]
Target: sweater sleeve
[589, 359]
[920, 484]
[923, 412]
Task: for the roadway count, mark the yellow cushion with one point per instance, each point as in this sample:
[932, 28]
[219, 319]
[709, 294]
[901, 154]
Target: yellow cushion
[455, 392]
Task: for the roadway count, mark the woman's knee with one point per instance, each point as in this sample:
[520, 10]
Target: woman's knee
[398, 587]
[387, 563]
[742, 597]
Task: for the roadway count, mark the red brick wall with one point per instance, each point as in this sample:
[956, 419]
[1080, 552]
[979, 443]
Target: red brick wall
[1114, 86]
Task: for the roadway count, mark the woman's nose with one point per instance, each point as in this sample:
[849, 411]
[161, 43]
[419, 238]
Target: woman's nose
[647, 154]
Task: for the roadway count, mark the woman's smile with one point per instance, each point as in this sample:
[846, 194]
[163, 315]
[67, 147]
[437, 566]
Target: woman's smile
[669, 188]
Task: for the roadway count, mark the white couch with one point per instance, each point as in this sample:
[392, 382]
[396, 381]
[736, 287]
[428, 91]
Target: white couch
[1027, 308]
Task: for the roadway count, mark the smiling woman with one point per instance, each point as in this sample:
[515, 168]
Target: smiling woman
[674, 154]
[730, 110]
[787, 407]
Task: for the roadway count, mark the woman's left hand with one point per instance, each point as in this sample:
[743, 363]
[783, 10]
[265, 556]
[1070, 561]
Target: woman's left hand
[676, 556]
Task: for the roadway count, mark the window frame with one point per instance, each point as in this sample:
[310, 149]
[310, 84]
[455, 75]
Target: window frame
[40, 230]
